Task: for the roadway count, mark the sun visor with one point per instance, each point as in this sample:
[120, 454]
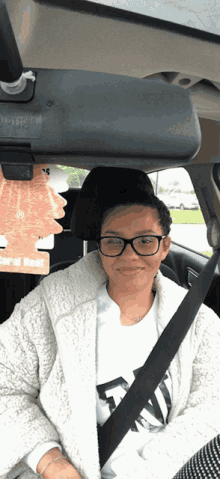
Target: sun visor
[82, 113]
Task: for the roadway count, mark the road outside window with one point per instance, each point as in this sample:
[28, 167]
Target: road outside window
[175, 189]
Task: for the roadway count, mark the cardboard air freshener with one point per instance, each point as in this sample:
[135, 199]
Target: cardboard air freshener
[28, 210]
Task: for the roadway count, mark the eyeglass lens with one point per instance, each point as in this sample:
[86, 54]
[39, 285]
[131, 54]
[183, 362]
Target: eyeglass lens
[143, 245]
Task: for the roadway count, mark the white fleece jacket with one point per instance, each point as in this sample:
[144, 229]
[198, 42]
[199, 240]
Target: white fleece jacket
[48, 377]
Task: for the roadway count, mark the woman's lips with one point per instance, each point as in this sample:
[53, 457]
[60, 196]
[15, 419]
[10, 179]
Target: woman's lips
[127, 270]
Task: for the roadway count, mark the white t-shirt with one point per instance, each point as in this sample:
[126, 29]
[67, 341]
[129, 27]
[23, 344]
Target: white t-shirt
[121, 351]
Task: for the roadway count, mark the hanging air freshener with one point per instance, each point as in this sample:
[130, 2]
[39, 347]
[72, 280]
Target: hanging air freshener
[28, 210]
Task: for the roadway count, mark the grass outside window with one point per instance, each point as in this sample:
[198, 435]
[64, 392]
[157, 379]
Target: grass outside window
[207, 253]
[187, 217]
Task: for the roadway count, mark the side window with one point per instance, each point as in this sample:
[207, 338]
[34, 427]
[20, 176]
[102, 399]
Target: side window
[76, 175]
[175, 189]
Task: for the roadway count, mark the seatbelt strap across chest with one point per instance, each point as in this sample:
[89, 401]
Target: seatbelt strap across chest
[150, 375]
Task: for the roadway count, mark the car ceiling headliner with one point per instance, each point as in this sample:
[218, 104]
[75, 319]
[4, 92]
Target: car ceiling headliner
[52, 37]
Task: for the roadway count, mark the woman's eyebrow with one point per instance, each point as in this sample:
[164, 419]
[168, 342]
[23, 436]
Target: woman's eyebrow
[116, 233]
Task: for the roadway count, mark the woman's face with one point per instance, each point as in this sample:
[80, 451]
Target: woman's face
[128, 222]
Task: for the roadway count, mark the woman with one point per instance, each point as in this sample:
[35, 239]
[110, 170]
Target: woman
[73, 346]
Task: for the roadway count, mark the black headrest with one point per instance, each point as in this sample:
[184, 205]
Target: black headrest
[103, 188]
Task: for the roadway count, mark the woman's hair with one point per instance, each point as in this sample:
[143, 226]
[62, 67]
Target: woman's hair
[149, 200]
[107, 187]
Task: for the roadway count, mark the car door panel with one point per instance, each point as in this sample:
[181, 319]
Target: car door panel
[188, 264]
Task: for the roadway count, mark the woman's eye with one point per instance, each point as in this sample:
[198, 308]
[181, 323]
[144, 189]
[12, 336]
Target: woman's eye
[146, 240]
[113, 241]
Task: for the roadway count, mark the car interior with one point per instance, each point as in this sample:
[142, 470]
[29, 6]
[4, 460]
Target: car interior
[110, 87]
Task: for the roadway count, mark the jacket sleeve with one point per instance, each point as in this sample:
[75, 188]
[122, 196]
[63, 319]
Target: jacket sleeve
[33, 458]
[199, 421]
[27, 354]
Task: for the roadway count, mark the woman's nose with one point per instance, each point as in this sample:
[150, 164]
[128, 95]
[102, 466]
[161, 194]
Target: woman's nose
[129, 251]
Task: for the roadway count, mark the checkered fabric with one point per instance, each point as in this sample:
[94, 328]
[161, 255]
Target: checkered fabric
[204, 464]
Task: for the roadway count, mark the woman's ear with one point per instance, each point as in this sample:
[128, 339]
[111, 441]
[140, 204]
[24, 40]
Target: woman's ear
[166, 247]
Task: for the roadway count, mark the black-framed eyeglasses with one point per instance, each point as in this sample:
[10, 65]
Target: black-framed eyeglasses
[146, 245]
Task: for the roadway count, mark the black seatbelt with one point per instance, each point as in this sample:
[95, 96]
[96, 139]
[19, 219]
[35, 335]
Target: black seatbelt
[150, 375]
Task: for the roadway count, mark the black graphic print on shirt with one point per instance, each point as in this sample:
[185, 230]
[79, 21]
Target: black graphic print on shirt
[155, 413]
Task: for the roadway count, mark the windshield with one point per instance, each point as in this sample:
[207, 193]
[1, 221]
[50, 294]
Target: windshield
[199, 14]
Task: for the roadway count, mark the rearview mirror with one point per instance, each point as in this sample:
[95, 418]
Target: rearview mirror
[86, 118]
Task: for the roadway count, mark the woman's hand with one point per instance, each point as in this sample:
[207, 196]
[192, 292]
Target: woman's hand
[60, 469]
